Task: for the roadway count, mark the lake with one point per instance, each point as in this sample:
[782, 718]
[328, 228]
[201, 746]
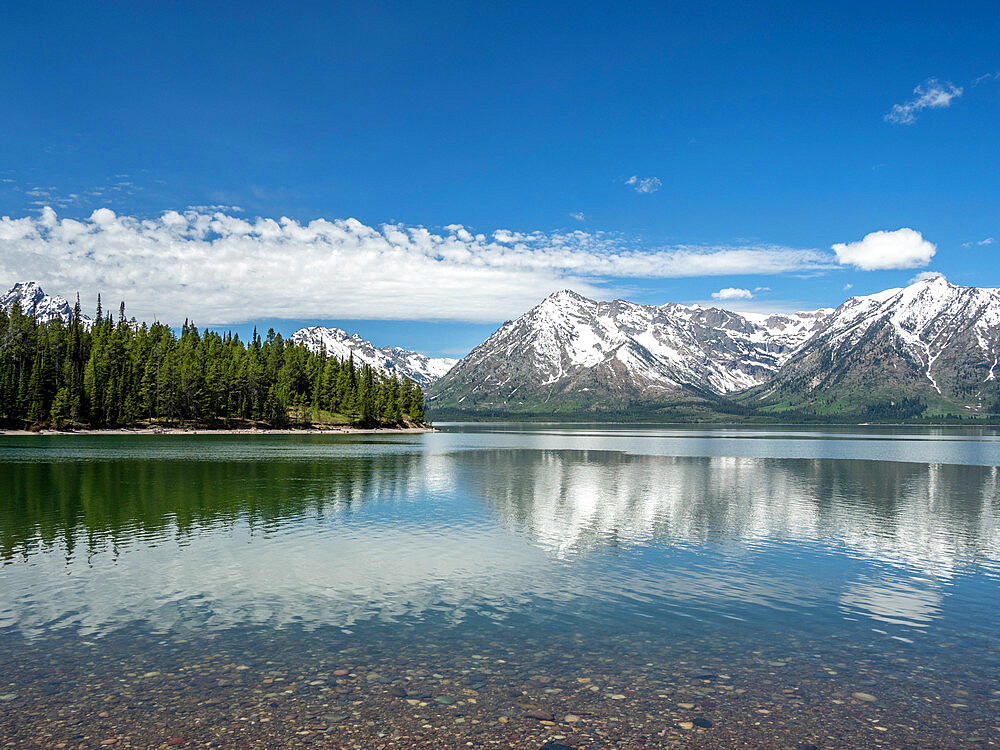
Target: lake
[502, 585]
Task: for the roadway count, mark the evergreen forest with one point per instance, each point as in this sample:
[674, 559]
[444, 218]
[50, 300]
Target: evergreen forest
[114, 372]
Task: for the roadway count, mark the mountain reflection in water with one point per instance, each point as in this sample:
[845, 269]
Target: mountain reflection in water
[282, 531]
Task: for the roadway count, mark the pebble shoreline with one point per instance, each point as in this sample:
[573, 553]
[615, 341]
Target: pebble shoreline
[502, 690]
[209, 431]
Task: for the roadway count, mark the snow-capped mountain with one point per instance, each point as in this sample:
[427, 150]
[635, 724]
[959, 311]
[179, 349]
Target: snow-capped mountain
[46, 307]
[930, 346]
[574, 352]
[932, 340]
[389, 360]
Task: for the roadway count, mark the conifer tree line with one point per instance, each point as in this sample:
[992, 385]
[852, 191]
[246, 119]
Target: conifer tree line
[117, 372]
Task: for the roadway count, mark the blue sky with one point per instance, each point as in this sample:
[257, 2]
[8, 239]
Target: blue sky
[760, 128]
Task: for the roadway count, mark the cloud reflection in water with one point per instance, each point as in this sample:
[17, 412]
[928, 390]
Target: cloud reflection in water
[347, 535]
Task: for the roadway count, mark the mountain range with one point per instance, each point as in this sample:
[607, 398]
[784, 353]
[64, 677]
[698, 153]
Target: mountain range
[928, 349]
[335, 342]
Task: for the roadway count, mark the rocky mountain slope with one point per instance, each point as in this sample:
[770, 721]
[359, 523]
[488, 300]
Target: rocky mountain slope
[31, 297]
[390, 360]
[573, 353]
[931, 344]
[931, 348]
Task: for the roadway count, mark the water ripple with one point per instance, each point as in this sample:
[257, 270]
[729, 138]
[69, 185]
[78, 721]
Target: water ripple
[560, 524]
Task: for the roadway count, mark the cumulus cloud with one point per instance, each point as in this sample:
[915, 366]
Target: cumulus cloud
[931, 94]
[216, 268]
[644, 184]
[902, 248]
[730, 293]
[579, 216]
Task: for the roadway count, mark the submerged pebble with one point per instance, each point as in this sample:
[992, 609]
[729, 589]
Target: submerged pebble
[538, 713]
[199, 698]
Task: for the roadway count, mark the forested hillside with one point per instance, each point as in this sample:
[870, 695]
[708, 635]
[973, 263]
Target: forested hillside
[115, 372]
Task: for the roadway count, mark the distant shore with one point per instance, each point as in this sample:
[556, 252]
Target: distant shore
[339, 430]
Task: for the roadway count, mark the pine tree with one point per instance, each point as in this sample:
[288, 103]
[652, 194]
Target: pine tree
[417, 405]
[405, 395]
[61, 410]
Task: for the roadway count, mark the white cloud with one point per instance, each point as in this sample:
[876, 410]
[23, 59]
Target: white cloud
[732, 293]
[753, 307]
[931, 94]
[579, 216]
[217, 268]
[216, 207]
[644, 184]
[902, 248]
[925, 275]
[848, 287]
[986, 241]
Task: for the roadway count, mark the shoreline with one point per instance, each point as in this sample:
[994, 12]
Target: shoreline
[339, 430]
[706, 424]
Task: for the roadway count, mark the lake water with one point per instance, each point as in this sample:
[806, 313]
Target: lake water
[502, 586]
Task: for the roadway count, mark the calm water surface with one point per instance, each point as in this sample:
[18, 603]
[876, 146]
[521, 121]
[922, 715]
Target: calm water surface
[644, 586]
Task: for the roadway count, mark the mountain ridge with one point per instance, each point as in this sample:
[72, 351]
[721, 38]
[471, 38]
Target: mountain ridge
[335, 342]
[930, 346]
[571, 352]
[932, 341]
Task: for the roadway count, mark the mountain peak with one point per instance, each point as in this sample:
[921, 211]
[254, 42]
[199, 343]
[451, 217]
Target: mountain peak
[336, 332]
[936, 280]
[566, 295]
[26, 292]
[30, 287]
[30, 296]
